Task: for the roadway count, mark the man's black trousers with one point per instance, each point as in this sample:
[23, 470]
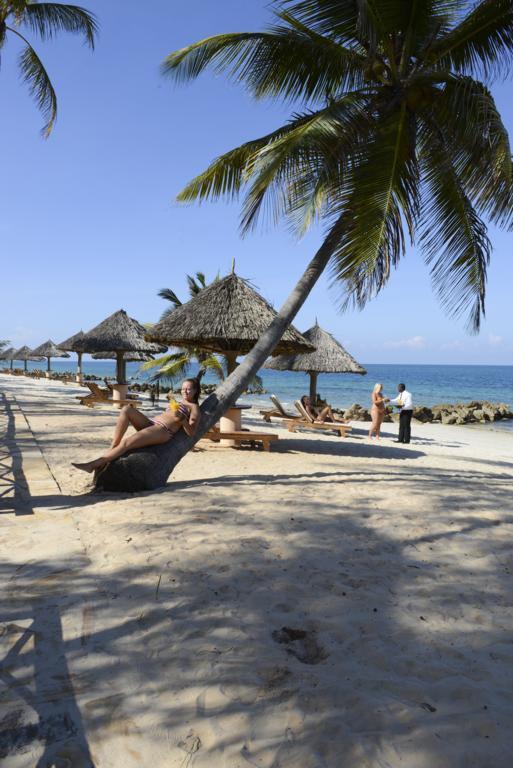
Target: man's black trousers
[404, 426]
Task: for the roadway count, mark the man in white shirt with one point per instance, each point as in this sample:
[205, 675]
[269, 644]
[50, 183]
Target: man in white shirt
[405, 401]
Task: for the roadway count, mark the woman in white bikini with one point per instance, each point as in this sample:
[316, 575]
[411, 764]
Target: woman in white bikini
[161, 429]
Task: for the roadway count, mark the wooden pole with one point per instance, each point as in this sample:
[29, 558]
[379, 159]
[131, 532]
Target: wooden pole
[231, 361]
[313, 386]
[120, 368]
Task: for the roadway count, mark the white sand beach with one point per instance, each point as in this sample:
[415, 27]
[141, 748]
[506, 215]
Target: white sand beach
[335, 603]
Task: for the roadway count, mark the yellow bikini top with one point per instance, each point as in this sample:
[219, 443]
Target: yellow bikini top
[179, 409]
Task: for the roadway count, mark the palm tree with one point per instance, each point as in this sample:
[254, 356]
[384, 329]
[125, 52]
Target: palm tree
[177, 365]
[44, 20]
[396, 135]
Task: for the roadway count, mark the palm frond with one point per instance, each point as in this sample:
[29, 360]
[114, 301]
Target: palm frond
[478, 142]
[290, 62]
[338, 19]
[454, 238]
[40, 86]
[334, 132]
[46, 19]
[227, 174]
[169, 295]
[169, 367]
[383, 190]
[196, 284]
[213, 364]
[482, 41]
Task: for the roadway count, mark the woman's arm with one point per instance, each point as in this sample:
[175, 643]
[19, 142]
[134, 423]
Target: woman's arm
[191, 424]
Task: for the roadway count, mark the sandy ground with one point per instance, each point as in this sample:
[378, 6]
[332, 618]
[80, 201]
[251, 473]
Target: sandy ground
[334, 603]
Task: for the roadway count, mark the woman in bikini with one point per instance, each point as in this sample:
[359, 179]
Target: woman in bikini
[320, 415]
[161, 429]
[377, 410]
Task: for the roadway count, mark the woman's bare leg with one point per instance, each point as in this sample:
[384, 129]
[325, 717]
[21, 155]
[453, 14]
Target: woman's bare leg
[127, 416]
[152, 435]
[325, 414]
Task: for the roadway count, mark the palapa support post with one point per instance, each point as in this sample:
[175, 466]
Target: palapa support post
[313, 386]
[79, 377]
[120, 388]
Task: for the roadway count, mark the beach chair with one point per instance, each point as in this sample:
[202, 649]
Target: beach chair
[306, 421]
[278, 411]
[102, 396]
[242, 436]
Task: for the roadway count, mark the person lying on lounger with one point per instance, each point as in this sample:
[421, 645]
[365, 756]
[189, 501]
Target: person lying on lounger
[161, 429]
[320, 415]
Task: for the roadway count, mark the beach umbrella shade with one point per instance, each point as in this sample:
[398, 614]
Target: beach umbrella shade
[119, 334]
[227, 317]
[6, 354]
[73, 345]
[49, 350]
[328, 357]
[25, 354]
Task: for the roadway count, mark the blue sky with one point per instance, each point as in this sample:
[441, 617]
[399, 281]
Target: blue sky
[89, 225]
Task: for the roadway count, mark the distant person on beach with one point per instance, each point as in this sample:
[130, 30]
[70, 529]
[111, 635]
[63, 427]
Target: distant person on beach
[320, 415]
[161, 429]
[377, 410]
[405, 402]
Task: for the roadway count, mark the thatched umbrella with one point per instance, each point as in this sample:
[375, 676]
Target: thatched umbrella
[329, 357]
[73, 345]
[49, 350]
[25, 354]
[6, 354]
[227, 317]
[118, 334]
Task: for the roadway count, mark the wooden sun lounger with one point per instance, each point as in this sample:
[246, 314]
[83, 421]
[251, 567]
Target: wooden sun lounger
[278, 411]
[102, 396]
[306, 421]
[242, 436]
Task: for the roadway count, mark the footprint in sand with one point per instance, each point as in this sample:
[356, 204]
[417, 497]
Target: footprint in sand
[300, 643]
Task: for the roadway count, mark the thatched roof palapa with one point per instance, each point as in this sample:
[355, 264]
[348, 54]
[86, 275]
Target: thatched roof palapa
[228, 316]
[49, 350]
[7, 354]
[328, 357]
[25, 354]
[73, 343]
[118, 333]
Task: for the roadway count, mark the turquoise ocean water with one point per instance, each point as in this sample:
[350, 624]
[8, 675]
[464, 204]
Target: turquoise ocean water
[429, 384]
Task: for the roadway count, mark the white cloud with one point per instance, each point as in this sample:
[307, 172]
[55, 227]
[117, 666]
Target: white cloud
[416, 342]
[494, 341]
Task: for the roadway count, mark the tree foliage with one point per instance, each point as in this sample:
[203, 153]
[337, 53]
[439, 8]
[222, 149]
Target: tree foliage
[44, 20]
[395, 135]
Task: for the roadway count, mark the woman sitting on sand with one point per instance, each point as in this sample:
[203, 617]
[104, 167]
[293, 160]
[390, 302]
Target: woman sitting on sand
[161, 429]
[377, 410]
[320, 415]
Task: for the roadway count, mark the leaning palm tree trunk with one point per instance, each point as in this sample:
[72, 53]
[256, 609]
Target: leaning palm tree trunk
[149, 468]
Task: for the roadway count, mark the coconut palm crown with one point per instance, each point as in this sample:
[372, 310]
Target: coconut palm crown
[396, 135]
[44, 20]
